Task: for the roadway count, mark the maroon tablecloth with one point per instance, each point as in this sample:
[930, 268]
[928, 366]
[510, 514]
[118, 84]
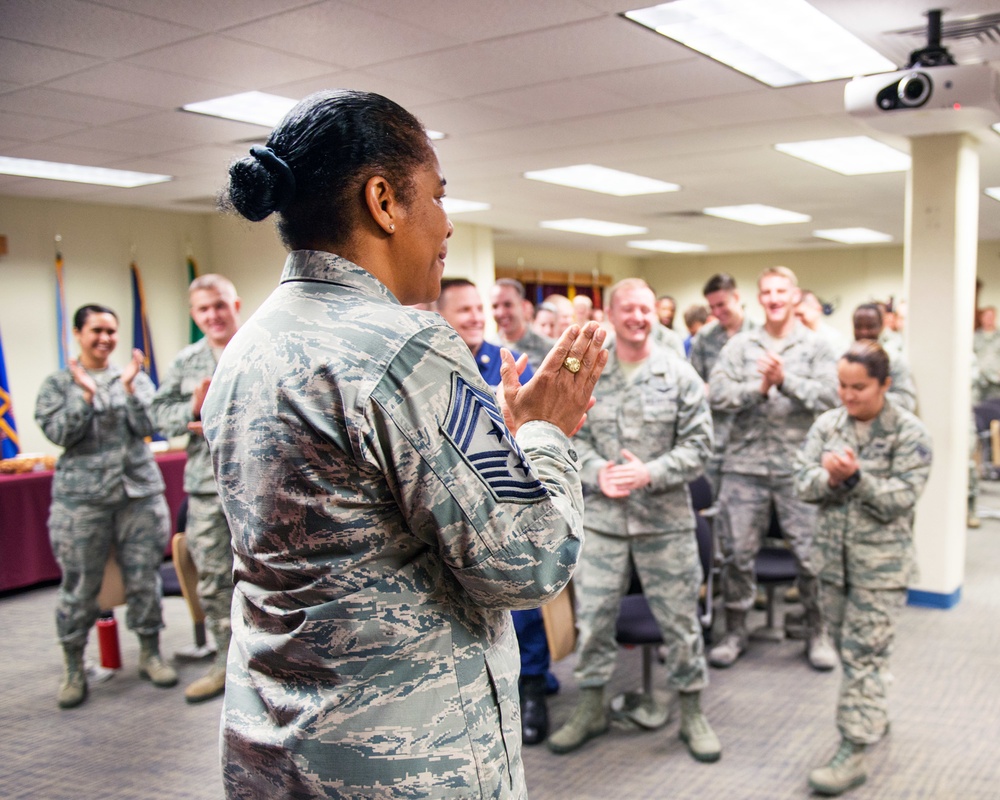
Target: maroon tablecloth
[25, 554]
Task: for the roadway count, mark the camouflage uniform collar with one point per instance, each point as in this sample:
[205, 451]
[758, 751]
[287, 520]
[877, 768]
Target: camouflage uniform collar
[799, 333]
[323, 267]
[656, 363]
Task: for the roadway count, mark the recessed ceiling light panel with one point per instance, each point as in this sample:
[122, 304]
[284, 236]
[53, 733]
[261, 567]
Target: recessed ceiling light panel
[853, 235]
[601, 179]
[453, 205]
[757, 214]
[849, 155]
[593, 227]
[256, 108]
[668, 246]
[77, 173]
[778, 42]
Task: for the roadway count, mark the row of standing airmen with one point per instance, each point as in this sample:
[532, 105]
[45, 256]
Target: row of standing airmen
[756, 410]
[650, 433]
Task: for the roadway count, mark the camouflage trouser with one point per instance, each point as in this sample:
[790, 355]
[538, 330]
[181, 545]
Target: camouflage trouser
[670, 572]
[740, 526]
[211, 549]
[81, 533]
[861, 622]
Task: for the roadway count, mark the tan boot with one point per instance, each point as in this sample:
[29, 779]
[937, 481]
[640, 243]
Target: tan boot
[73, 690]
[207, 686]
[152, 667]
[733, 644]
[820, 651]
[589, 719]
[845, 771]
[695, 732]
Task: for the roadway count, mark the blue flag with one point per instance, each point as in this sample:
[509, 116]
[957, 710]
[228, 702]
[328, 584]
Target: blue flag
[142, 338]
[9, 444]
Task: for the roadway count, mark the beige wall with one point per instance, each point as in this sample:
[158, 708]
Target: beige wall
[98, 242]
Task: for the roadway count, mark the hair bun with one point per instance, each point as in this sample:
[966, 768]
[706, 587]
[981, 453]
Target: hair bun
[261, 184]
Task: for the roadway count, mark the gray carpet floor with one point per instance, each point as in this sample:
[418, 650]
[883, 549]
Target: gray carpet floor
[774, 715]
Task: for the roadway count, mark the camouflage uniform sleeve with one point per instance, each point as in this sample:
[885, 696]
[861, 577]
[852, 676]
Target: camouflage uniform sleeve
[137, 406]
[697, 356]
[729, 389]
[812, 481]
[685, 461]
[591, 461]
[510, 532]
[816, 389]
[902, 392]
[892, 496]
[61, 412]
[171, 409]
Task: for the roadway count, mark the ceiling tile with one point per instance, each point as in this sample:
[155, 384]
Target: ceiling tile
[212, 16]
[122, 81]
[87, 28]
[247, 66]
[340, 34]
[68, 106]
[23, 64]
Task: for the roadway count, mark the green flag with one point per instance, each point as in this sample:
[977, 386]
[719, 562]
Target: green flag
[196, 333]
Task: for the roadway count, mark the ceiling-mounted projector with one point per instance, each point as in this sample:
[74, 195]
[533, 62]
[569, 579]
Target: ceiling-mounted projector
[927, 100]
[932, 95]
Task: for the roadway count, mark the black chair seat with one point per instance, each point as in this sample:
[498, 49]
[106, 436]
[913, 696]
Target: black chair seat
[776, 565]
[635, 624]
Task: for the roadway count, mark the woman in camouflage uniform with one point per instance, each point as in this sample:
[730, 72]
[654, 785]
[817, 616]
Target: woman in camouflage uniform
[107, 491]
[384, 518]
[865, 464]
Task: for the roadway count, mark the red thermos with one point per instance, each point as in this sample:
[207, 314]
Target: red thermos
[107, 637]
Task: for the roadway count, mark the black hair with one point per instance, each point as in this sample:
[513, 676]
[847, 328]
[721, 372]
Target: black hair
[80, 317]
[873, 308]
[721, 282]
[317, 161]
[871, 356]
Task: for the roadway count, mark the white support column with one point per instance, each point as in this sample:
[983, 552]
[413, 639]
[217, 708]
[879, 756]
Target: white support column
[942, 216]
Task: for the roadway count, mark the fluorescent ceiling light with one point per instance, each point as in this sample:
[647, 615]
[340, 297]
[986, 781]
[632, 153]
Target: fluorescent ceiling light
[76, 173]
[849, 155]
[668, 246]
[601, 179]
[593, 227]
[757, 214]
[853, 235]
[994, 192]
[778, 42]
[454, 206]
[257, 108]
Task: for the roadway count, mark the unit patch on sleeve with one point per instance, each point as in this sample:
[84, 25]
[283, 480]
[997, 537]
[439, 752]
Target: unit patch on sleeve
[476, 427]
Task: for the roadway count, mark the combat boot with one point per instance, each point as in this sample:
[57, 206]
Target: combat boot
[534, 709]
[207, 686]
[845, 770]
[820, 650]
[589, 719]
[152, 667]
[73, 690]
[734, 643]
[696, 733]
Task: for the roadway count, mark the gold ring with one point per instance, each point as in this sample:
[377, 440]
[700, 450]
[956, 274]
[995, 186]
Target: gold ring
[572, 364]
